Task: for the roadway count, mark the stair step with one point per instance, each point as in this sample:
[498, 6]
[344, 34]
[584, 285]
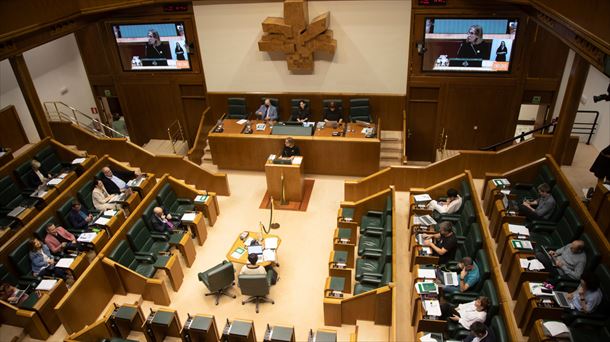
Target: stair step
[390, 155]
[391, 145]
[387, 163]
[391, 135]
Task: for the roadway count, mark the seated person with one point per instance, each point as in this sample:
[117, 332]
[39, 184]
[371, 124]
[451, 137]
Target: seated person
[446, 243]
[8, 293]
[568, 260]
[43, 264]
[302, 113]
[162, 222]
[59, 240]
[466, 313]
[267, 111]
[333, 113]
[468, 277]
[587, 296]
[290, 149]
[78, 217]
[115, 182]
[101, 198]
[450, 205]
[540, 208]
[480, 333]
[253, 267]
[36, 177]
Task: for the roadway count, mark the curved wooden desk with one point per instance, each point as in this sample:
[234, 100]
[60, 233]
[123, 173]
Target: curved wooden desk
[243, 259]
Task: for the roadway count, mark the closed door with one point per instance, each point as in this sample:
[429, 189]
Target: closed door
[421, 130]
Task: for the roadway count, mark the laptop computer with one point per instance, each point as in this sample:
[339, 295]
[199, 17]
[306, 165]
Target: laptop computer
[420, 239]
[255, 250]
[561, 298]
[450, 279]
[510, 205]
[332, 124]
[547, 256]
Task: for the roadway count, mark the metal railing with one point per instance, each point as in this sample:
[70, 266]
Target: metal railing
[175, 134]
[586, 128]
[521, 136]
[59, 111]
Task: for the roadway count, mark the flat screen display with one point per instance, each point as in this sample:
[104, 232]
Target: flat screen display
[469, 45]
[153, 46]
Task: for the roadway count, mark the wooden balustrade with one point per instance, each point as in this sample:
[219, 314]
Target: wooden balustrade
[195, 154]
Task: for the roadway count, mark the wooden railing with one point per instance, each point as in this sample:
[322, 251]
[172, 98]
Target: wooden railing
[374, 305]
[126, 151]
[195, 154]
[478, 162]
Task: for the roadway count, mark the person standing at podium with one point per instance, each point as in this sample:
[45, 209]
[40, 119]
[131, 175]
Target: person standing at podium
[290, 149]
[267, 111]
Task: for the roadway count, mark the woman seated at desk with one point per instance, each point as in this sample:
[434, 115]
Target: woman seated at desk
[101, 198]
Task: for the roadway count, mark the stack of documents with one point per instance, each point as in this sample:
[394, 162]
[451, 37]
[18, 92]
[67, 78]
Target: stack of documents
[242, 121]
[188, 217]
[518, 229]
[16, 211]
[237, 253]
[297, 160]
[432, 307]
[536, 290]
[46, 284]
[201, 198]
[78, 160]
[86, 237]
[431, 337]
[532, 265]
[556, 329]
[268, 255]
[422, 198]
[64, 262]
[427, 273]
[54, 181]
[271, 243]
[110, 213]
[501, 182]
[102, 221]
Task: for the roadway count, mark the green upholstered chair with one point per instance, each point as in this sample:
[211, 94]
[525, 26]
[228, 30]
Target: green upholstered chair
[489, 290]
[559, 235]
[588, 330]
[469, 246]
[463, 222]
[141, 239]
[371, 263]
[294, 106]
[374, 218]
[7, 277]
[49, 161]
[371, 238]
[142, 263]
[148, 213]
[499, 328]
[172, 204]
[219, 279]
[11, 196]
[20, 258]
[85, 196]
[236, 108]
[530, 190]
[256, 286]
[359, 110]
[371, 282]
[24, 173]
[63, 211]
[466, 195]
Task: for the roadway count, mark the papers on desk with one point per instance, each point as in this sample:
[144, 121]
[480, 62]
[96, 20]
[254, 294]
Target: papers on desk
[109, 213]
[201, 198]
[427, 273]
[242, 121]
[15, 212]
[188, 217]
[237, 253]
[248, 241]
[271, 157]
[556, 329]
[506, 192]
[426, 250]
[501, 182]
[426, 287]
[536, 290]
[39, 193]
[532, 265]
[607, 186]
[118, 198]
[46, 284]
[63, 175]
[260, 126]
[422, 198]
[78, 160]
[102, 221]
[522, 244]
[136, 181]
[431, 337]
[269, 255]
[297, 160]
[432, 307]
[54, 181]
[64, 262]
[271, 243]
[86, 237]
[518, 229]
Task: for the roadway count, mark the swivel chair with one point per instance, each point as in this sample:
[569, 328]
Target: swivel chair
[218, 279]
[257, 287]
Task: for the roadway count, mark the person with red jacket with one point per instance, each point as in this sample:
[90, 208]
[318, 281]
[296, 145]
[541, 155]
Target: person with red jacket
[59, 239]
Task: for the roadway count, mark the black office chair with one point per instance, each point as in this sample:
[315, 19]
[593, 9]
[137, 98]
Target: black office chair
[218, 279]
[359, 110]
[236, 108]
[256, 286]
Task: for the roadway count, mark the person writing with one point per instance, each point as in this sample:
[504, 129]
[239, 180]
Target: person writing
[301, 114]
[290, 149]
[267, 111]
[474, 46]
[540, 208]
[501, 52]
[333, 113]
[445, 245]
[448, 206]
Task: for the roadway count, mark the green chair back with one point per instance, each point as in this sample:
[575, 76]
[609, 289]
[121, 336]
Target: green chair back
[49, 162]
[123, 254]
[236, 108]
[568, 228]
[547, 175]
[167, 197]
[10, 194]
[219, 276]
[499, 328]
[255, 285]
[85, 195]
[24, 173]
[484, 269]
[148, 213]
[489, 291]
[41, 232]
[561, 203]
[6, 276]
[474, 240]
[592, 251]
[20, 257]
[139, 237]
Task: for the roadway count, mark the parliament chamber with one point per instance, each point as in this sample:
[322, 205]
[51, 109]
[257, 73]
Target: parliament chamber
[361, 170]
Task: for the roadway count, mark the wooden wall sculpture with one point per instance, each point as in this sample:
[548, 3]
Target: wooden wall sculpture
[296, 37]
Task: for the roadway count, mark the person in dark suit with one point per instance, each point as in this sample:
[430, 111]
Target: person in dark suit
[474, 46]
[78, 217]
[155, 48]
[601, 165]
[37, 178]
[333, 113]
[301, 114]
[115, 182]
[481, 332]
[162, 223]
[290, 149]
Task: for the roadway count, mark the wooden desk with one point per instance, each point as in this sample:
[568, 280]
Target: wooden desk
[352, 155]
[6, 156]
[115, 222]
[537, 334]
[162, 323]
[243, 259]
[187, 248]
[198, 228]
[45, 305]
[417, 259]
[144, 187]
[171, 265]
[504, 235]
[293, 180]
[528, 310]
[517, 275]
[345, 273]
[499, 216]
[99, 242]
[26, 216]
[49, 195]
[421, 324]
[127, 317]
[491, 193]
[509, 251]
[242, 331]
[79, 265]
[69, 178]
[209, 207]
[282, 333]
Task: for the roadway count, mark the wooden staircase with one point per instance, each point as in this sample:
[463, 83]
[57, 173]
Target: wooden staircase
[391, 149]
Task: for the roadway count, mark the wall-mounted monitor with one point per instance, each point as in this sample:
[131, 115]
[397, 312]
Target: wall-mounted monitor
[469, 44]
[152, 46]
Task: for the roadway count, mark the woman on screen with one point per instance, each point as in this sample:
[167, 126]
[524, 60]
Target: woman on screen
[180, 52]
[155, 48]
[501, 52]
[474, 46]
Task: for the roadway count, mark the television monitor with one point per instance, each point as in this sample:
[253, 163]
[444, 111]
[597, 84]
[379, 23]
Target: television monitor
[469, 45]
[152, 46]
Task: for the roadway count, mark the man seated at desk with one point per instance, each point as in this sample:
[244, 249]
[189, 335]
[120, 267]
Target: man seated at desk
[290, 149]
[267, 111]
[79, 218]
[448, 206]
[254, 268]
[479, 332]
[115, 182]
[468, 277]
[541, 208]
[466, 314]
[445, 245]
[301, 114]
[568, 260]
[59, 239]
[161, 222]
[333, 113]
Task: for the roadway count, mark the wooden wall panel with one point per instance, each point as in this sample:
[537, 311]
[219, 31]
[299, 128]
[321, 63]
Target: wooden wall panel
[11, 131]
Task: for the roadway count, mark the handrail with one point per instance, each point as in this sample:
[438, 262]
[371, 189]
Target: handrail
[198, 140]
[176, 135]
[587, 131]
[94, 121]
[520, 136]
[403, 158]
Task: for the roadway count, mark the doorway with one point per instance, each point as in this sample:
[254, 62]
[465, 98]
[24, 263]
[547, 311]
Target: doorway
[531, 116]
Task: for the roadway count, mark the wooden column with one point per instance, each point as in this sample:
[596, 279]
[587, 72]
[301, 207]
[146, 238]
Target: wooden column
[569, 106]
[22, 74]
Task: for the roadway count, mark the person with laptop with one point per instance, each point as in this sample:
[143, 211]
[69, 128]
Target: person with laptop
[448, 206]
[540, 208]
[587, 297]
[466, 314]
[115, 181]
[469, 276]
[290, 149]
[446, 242]
[333, 113]
[301, 114]
[568, 260]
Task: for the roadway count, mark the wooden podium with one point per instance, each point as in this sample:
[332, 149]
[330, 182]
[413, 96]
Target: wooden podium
[292, 175]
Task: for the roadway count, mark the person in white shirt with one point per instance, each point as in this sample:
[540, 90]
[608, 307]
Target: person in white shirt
[466, 313]
[252, 267]
[100, 197]
[449, 206]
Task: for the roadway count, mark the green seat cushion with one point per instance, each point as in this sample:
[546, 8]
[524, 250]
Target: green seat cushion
[126, 313]
[174, 238]
[347, 213]
[345, 233]
[146, 270]
[366, 266]
[163, 318]
[337, 283]
[201, 323]
[340, 256]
